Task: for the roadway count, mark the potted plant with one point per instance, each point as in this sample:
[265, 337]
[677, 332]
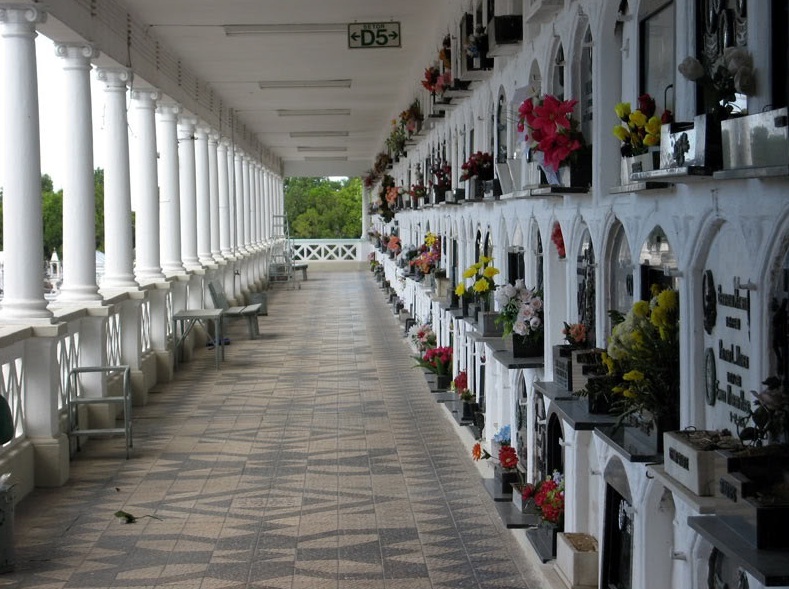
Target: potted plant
[549, 500]
[477, 169]
[552, 132]
[521, 315]
[466, 406]
[565, 356]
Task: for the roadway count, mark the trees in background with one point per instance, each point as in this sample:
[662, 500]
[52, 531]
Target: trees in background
[319, 208]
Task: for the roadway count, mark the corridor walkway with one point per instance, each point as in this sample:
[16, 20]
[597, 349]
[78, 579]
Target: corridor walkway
[316, 458]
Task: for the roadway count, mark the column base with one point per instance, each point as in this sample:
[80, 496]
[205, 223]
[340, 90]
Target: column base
[51, 461]
[164, 365]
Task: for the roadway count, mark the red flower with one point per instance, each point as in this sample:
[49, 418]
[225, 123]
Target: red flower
[527, 492]
[558, 240]
[508, 458]
[646, 104]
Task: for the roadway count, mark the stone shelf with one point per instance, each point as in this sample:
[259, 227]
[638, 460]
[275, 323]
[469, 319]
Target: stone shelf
[558, 190]
[744, 173]
[576, 413]
[506, 358]
[681, 175]
[769, 567]
[552, 390]
[702, 505]
[629, 448]
[641, 187]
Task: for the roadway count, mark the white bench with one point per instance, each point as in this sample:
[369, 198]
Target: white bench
[247, 312]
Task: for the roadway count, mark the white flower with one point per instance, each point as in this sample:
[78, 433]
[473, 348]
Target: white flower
[536, 302]
[519, 284]
[520, 328]
[526, 312]
[691, 68]
[535, 323]
[509, 290]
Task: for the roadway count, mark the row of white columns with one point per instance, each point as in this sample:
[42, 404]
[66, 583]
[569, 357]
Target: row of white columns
[198, 200]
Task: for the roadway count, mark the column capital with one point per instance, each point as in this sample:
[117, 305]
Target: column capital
[146, 95]
[224, 142]
[114, 77]
[202, 131]
[213, 137]
[187, 121]
[78, 53]
[27, 15]
[168, 111]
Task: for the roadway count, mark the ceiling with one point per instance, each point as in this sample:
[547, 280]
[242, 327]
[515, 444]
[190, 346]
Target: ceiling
[382, 81]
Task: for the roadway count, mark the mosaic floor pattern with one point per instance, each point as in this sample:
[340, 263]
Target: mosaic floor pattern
[315, 458]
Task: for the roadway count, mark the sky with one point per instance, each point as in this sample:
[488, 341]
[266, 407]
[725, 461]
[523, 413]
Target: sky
[50, 74]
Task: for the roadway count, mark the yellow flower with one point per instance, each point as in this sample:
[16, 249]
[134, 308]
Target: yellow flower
[641, 308]
[633, 376]
[618, 390]
[638, 118]
[668, 299]
[485, 260]
[629, 394]
[608, 362]
[622, 110]
[653, 126]
[651, 140]
[490, 272]
[470, 272]
[481, 285]
[637, 337]
[460, 289]
[659, 317]
[621, 133]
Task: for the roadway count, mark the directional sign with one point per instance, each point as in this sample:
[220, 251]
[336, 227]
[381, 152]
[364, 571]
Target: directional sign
[369, 35]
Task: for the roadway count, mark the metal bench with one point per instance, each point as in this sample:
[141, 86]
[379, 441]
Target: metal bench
[247, 312]
[303, 267]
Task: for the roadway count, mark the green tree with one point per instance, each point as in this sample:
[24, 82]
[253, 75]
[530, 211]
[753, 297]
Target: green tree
[52, 213]
[98, 187]
[319, 208]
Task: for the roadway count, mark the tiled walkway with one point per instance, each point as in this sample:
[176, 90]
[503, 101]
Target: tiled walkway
[316, 458]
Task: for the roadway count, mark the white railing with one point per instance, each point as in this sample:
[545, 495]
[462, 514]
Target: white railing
[68, 359]
[113, 342]
[327, 250]
[12, 380]
[145, 326]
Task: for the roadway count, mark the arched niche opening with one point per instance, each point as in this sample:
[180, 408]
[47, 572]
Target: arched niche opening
[554, 444]
[618, 544]
[619, 274]
[658, 264]
[557, 72]
[536, 269]
[586, 265]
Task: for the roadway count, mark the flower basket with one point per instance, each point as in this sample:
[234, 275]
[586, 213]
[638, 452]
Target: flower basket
[756, 141]
[691, 457]
[577, 559]
[527, 347]
[488, 325]
[646, 162]
[504, 478]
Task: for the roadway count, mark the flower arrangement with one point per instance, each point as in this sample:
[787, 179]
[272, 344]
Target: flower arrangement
[411, 119]
[476, 42]
[460, 386]
[392, 192]
[479, 164]
[508, 457]
[575, 334]
[422, 336]
[394, 245]
[558, 240]
[437, 360]
[520, 310]
[418, 190]
[639, 129]
[503, 436]
[479, 453]
[643, 357]
[550, 128]
[395, 143]
[549, 498]
[441, 173]
[768, 419]
[445, 53]
[435, 81]
[429, 254]
[731, 73]
[481, 274]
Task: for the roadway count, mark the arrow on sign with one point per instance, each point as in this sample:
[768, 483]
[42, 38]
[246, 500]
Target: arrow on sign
[355, 36]
[393, 35]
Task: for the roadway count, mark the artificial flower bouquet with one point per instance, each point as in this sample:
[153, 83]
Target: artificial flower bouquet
[730, 74]
[460, 386]
[575, 334]
[643, 357]
[558, 240]
[437, 360]
[639, 129]
[422, 336]
[481, 273]
[549, 498]
[479, 164]
[520, 310]
[550, 128]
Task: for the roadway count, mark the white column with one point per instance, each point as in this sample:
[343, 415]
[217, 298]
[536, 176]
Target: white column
[365, 210]
[23, 231]
[246, 202]
[264, 209]
[118, 262]
[232, 190]
[253, 204]
[145, 185]
[169, 191]
[223, 178]
[79, 191]
[213, 195]
[186, 179]
[202, 189]
[238, 201]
